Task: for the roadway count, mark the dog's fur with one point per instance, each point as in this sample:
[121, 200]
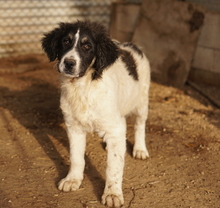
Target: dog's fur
[102, 81]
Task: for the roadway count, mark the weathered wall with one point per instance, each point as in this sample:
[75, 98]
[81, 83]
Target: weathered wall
[211, 5]
[124, 17]
[168, 31]
[207, 54]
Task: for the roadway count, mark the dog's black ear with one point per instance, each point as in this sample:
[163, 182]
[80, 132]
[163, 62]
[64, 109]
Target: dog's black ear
[50, 43]
[106, 52]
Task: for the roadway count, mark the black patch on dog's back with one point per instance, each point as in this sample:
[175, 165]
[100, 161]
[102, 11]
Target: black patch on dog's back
[128, 59]
[134, 48]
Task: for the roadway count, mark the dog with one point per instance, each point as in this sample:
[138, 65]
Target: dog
[102, 81]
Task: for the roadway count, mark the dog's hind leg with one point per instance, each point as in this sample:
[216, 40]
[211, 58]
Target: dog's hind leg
[140, 150]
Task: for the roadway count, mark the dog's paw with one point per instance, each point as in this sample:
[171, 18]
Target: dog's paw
[140, 154]
[112, 200]
[67, 185]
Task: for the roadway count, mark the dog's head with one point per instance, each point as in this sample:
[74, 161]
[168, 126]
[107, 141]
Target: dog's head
[79, 47]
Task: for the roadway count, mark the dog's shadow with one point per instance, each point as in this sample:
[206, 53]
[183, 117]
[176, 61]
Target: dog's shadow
[37, 109]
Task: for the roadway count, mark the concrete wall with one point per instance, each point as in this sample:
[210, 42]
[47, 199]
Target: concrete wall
[207, 55]
[211, 5]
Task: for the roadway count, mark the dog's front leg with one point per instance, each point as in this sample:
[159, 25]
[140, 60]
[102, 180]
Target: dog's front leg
[113, 196]
[77, 142]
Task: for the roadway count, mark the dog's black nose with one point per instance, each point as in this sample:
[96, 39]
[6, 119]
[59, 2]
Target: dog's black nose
[69, 63]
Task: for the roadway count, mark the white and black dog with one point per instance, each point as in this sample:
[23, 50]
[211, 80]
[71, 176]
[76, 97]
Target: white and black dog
[102, 81]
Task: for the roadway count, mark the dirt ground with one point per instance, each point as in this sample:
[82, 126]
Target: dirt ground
[183, 138]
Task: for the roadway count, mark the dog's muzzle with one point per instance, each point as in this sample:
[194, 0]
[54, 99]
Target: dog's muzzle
[69, 65]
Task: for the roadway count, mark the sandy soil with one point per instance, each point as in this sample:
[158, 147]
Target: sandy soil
[183, 137]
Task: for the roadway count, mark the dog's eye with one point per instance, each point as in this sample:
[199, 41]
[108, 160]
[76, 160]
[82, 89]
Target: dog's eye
[66, 41]
[86, 46]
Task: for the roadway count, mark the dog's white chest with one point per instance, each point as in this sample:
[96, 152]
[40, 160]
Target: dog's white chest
[79, 106]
